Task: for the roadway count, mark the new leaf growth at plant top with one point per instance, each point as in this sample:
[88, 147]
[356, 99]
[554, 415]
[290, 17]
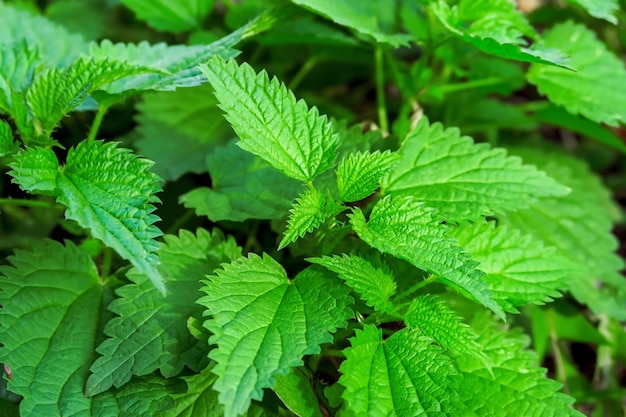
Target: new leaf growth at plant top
[312, 208]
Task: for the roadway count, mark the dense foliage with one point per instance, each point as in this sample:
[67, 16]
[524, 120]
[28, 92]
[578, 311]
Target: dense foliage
[273, 208]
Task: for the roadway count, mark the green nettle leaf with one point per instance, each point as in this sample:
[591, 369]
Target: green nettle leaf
[243, 187]
[433, 318]
[514, 382]
[198, 400]
[497, 28]
[579, 227]
[311, 210]
[463, 179]
[373, 281]
[365, 16]
[107, 190]
[296, 392]
[263, 323]
[520, 270]
[359, 174]
[602, 9]
[18, 63]
[7, 146]
[270, 122]
[404, 375]
[53, 42]
[164, 15]
[56, 92]
[36, 169]
[151, 330]
[51, 297]
[411, 231]
[597, 90]
[178, 129]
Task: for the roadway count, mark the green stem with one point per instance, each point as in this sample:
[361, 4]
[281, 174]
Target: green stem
[411, 291]
[302, 73]
[180, 222]
[380, 90]
[561, 374]
[107, 261]
[97, 121]
[469, 85]
[26, 203]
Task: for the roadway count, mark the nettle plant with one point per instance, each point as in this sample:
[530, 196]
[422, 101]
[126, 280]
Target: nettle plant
[323, 267]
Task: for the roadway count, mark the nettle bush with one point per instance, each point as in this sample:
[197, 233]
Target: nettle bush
[356, 254]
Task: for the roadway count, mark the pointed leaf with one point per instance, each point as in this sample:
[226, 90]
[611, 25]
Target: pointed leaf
[433, 318]
[35, 170]
[270, 122]
[520, 270]
[579, 227]
[309, 212]
[359, 174]
[107, 190]
[51, 297]
[168, 16]
[597, 90]
[243, 187]
[463, 179]
[497, 28]
[515, 380]
[375, 283]
[410, 231]
[56, 92]
[364, 16]
[602, 9]
[263, 324]
[150, 331]
[404, 375]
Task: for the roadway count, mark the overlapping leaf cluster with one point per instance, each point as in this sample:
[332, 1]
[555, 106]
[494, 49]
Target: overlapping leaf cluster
[390, 265]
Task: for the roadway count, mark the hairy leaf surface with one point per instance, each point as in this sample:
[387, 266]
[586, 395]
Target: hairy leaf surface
[243, 187]
[107, 190]
[263, 324]
[514, 382]
[497, 28]
[374, 282]
[270, 122]
[150, 331]
[404, 375]
[579, 226]
[597, 90]
[368, 17]
[463, 179]
[433, 318]
[411, 231]
[311, 210]
[171, 16]
[359, 174]
[520, 269]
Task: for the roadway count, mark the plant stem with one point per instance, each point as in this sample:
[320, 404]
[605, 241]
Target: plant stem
[97, 121]
[380, 90]
[107, 260]
[180, 222]
[558, 355]
[303, 72]
[411, 291]
[26, 203]
[468, 85]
